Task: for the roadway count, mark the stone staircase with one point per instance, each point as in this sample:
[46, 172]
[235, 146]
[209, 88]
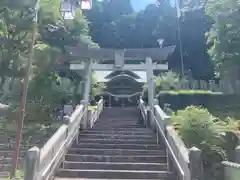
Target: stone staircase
[7, 148]
[117, 147]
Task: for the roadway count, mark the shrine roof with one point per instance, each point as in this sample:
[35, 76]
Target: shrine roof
[102, 76]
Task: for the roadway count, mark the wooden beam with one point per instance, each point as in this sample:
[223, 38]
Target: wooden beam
[91, 53]
[111, 67]
[129, 54]
[153, 53]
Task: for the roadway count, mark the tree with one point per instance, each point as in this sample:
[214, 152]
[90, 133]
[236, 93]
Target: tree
[143, 29]
[195, 48]
[224, 36]
[51, 71]
[15, 30]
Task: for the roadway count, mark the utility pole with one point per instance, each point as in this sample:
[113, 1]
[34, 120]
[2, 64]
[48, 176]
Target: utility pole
[179, 36]
[25, 91]
[66, 8]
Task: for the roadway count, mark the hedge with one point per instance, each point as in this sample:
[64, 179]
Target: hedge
[210, 100]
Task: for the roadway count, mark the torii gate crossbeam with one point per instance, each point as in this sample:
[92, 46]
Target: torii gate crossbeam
[111, 67]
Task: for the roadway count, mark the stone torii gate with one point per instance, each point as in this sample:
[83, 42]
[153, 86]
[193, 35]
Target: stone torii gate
[120, 56]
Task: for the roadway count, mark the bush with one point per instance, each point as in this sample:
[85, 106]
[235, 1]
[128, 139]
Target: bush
[187, 92]
[207, 99]
[197, 127]
[19, 175]
[166, 81]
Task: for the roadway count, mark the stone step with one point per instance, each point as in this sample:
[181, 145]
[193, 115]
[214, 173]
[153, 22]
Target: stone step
[100, 131]
[110, 126]
[116, 136]
[60, 178]
[118, 119]
[5, 147]
[115, 166]
[6, 141]
[116, 114]
[8, 160]
[4, 175]
[118, 141]
[26, 137]
[116, 158]
[26, 142]
[134, 129]
[118, 146]
[5, 167]
[117, 122]
[112, 174]
[4, 154]
[127, 152]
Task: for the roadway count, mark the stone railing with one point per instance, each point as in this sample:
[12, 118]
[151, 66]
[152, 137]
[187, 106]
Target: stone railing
[41, 164]
[231, 170]
[143, 113]
[185, 163]
[94, 113]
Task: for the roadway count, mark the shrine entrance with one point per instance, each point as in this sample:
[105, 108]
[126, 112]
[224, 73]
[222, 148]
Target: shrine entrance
[124, 71]
[123, 88]
[121, 101]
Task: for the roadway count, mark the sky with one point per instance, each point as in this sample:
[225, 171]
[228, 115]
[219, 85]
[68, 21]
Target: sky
[141, 4]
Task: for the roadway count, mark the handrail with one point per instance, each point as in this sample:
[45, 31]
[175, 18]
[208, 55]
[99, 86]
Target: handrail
[168, 146]
[180, 169]
[144, 115]
[41, 163]
[52, 152]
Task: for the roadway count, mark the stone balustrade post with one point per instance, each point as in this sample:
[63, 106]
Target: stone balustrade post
[84, 122]
[32, 164]
[196, 164]
[89, 119]
[152, 117]
[231, 170]
[141, 119]
[149, 115]
[156, 102]
[237, 154]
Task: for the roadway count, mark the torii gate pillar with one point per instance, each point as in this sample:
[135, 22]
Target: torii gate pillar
[87, 89]
[151, 86]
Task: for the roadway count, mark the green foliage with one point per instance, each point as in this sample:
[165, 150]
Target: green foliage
[166, 81]
[46, 88]
[199, 128]
[15, 29]
[115, 25]
[187, 92]
[46, 93]
[224, 36]
[19, 175]
[97, 88]
[197, 125]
